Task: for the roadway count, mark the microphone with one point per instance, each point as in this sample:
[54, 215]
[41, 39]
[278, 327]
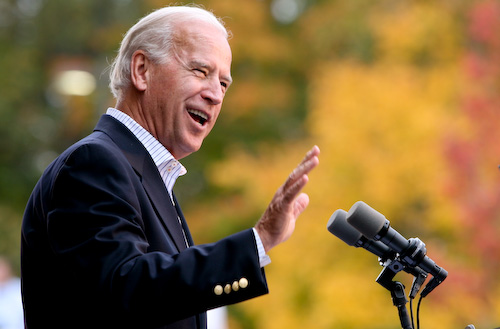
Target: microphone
[338, 226]
[375, 226]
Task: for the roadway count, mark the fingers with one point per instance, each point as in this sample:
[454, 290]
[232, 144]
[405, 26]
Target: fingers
[293, 187]
[298, 178]
[307, 164]
[314, 151]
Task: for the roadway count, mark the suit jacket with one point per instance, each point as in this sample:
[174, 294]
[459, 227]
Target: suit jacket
[102, 246]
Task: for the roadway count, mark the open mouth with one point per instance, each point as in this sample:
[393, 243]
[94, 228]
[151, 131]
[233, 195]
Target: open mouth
[198, 116]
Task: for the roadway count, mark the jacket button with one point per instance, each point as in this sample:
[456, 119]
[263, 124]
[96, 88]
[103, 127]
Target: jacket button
[227, 288]
[236, 286]
[243, 283]
[218, 290]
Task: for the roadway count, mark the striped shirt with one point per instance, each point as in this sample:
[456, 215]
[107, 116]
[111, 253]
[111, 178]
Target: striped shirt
[170, 169]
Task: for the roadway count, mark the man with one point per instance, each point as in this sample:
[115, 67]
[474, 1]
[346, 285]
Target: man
[104, 242]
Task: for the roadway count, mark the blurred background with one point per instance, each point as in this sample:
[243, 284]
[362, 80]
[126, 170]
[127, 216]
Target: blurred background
[403, 98]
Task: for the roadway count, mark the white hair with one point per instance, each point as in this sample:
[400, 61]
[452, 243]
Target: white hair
[154, 34]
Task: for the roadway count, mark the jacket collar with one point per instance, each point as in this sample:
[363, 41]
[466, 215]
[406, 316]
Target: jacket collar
[148, 173]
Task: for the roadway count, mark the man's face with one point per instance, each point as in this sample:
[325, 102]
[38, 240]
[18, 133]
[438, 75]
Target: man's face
[184, 96]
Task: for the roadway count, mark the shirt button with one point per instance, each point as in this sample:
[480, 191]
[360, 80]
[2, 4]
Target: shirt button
[236, 286]
[227, 288]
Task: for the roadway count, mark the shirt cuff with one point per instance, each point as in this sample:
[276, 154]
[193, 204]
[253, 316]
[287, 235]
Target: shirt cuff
[263, 257]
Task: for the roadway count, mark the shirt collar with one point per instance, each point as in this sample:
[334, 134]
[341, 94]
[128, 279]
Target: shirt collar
[170, 169]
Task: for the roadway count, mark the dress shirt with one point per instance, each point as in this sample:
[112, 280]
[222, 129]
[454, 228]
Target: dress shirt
[170, 169]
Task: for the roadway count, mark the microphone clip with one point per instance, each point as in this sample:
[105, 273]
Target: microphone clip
[414, 253]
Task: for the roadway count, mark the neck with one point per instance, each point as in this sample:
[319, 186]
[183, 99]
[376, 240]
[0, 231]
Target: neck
[130, 104]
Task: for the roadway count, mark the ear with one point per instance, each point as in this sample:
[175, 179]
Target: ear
[139, 70]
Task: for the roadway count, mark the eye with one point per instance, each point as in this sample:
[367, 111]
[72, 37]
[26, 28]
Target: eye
[225, 84]
[201, 72]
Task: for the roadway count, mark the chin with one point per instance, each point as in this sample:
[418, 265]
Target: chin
[187, 151]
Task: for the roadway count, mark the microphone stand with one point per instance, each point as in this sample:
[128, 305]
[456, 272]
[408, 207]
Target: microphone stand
[397, 289]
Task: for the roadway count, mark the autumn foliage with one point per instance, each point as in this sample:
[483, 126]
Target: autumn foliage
[402, 97]
[404, 106]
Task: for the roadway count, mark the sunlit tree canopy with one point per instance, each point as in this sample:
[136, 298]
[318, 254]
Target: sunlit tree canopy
[402, 97]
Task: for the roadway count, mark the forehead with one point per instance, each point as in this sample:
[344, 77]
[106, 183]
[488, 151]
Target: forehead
[200, 38]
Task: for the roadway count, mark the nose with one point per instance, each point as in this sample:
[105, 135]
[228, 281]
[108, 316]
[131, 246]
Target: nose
[213, 92]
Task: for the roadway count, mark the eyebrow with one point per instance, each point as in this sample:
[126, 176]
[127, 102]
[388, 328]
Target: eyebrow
[228, 79]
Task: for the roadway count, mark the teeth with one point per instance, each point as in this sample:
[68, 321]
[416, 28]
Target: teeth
[198, 113]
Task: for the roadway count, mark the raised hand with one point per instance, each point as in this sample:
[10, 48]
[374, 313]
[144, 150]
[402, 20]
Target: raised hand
[278, 221]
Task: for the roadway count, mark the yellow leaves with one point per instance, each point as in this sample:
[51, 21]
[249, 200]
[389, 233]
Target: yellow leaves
[495, 301]
[417, 32]
[246, 95]
[382, 124]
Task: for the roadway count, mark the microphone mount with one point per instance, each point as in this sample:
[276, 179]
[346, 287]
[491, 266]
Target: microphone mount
[414, 253]
[391, 267]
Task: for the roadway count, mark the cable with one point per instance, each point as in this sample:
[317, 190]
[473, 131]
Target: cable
[418, 312]
[411, 313]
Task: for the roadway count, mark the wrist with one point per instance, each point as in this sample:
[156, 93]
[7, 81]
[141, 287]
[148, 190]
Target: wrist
[264, 238]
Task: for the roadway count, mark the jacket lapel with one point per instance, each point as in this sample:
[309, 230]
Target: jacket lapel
[147, 171]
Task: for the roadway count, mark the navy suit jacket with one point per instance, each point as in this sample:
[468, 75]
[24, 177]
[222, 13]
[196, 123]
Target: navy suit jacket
[102, 246]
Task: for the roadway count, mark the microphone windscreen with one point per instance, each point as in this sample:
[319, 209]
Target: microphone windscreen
[365, 219]
[338, 226]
